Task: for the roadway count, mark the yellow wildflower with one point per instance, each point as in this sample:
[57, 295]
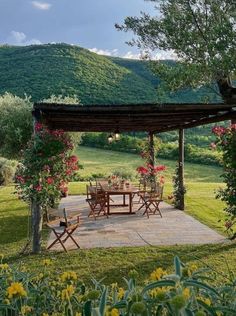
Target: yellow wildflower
[158, 293]
[186, 293]
[192, 269]
[112, 312]
[69, 276]
[16, 289]
[1, 256]
[78, 314]
[157, 274]
[45, 314]
[4, 266]
[121, 293]
[205, 300]
[114, 286]
[47, 262]
[7, 302]
[25, 309]
[67, 293]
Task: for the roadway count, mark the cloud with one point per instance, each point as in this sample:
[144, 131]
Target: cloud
[159, 55]
[19, 38]
[106, 52]
[41, 5]
[131, 55]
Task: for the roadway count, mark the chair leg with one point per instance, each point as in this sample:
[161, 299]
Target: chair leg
[70, 236]
[58, 239]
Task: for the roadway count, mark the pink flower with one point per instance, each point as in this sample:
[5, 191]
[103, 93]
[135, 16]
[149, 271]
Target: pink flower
[213, 146]
[219, 130]
[233, 127]
[38, 188]
[160, 168]
[50, 180]
[38, 127]
[142, 170]
[73, 158]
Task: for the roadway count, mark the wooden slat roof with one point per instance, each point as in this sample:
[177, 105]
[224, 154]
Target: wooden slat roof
[134, 117]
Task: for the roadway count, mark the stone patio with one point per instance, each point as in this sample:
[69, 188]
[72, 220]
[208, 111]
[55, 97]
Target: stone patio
[174, 228]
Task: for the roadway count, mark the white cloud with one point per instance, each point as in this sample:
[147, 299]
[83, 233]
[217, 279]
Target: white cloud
[106, 52]
[131, 55]
[41, 5]
[19, 38]
[160, 55]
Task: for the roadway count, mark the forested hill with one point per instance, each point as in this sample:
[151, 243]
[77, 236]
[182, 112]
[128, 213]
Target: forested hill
[60, 69]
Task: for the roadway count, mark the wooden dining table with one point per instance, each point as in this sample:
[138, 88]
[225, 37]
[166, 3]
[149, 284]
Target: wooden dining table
[124, 191]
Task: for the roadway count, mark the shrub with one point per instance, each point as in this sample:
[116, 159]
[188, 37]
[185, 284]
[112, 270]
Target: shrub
[187, 291]
[7, 170]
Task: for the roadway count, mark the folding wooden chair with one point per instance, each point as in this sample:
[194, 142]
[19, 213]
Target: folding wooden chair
[152, 201]
[63, 230]
[97, 201]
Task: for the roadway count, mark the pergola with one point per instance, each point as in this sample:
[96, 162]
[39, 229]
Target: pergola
[151, 118]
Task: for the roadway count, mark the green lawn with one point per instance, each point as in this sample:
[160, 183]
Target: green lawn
[98, 161]
[114, 263]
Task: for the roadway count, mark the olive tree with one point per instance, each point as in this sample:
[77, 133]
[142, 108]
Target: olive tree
[15, 124]
[201, 34]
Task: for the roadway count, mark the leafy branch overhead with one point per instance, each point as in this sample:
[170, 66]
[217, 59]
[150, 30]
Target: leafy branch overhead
[201, 34]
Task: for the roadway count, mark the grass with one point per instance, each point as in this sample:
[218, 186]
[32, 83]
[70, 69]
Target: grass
[116, 262]
[98, 161]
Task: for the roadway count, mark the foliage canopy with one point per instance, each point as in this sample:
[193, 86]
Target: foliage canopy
[201, 33]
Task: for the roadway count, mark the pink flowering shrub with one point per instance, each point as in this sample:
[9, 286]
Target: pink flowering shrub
[226, 142]
[149, 172]
[46, 167]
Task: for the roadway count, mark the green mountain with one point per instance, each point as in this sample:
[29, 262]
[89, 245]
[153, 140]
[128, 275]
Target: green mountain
[60, 69]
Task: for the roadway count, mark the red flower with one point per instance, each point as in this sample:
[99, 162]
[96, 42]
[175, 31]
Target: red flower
[142, 170]
[38, 127]
[68, 172]
[219, 130]
[38, 188]
[160, 168]
[50, 180]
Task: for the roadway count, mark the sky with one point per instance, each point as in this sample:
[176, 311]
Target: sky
[87, 23]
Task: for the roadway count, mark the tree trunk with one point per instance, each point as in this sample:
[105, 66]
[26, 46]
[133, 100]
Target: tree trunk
[37, 221]
[227, 90]
[181, 169]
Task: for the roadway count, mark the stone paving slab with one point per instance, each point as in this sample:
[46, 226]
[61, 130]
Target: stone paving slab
[174, 228]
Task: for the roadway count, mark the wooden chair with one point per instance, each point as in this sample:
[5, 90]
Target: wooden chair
[63, 229]
[97, 201]
[152, 201]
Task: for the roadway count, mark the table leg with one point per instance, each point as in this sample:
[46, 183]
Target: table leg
[130, 202]
[123, 199]
[108, 204]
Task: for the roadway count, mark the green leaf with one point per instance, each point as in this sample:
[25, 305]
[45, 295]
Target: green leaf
[177, 264]
[87, 308]
[161, 283]
[103, 300]
[201, 285]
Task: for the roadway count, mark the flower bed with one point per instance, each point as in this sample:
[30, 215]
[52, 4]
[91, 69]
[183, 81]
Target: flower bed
[188, 291]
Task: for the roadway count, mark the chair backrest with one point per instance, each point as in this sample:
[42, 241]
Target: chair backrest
[65, 216]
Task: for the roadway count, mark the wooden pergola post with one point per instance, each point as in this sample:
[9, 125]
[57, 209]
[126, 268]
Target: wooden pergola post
[151, 148]
[36, 209]
[181, 169]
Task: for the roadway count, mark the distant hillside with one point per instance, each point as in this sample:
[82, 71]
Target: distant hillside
[60, 69]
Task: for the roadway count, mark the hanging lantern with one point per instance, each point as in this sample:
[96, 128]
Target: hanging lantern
[110, 139]
[117, 135]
